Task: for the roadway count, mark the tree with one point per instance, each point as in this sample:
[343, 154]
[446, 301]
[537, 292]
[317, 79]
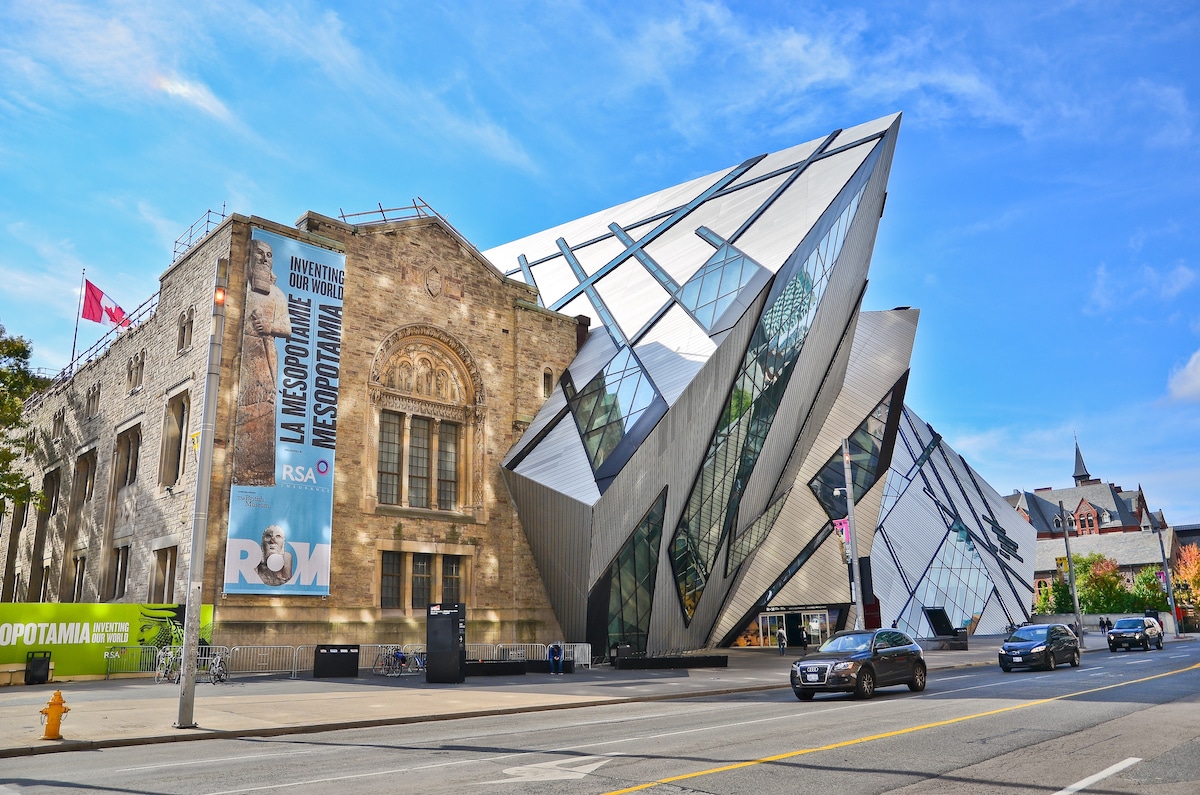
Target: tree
[17, 382]
[1100, 584]
[1147, 593]
[1187, 575]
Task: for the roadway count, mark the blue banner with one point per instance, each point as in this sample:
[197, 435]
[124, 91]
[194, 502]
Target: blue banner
[285, 427]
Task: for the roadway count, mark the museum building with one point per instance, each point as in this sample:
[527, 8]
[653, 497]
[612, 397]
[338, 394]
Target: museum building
[626, 430]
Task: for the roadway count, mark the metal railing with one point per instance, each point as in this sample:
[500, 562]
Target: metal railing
[128, 660]
[198, 231]
[263, 659]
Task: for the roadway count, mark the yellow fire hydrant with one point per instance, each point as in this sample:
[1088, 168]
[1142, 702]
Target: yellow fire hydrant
[53, 714]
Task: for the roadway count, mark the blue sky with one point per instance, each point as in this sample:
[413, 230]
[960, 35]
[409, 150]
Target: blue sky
[1042, 212]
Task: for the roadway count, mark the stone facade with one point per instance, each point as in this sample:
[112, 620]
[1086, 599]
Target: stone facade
[416, 294]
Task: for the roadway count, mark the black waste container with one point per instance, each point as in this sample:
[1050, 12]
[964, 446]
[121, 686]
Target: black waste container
[620, 651]
[37, 667]
[331, 659]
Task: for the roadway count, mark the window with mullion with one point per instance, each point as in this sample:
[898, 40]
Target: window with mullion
[391, 580]
[451, 579]
[447, 485]
[422, 580]
[418, 463]
[390, 441]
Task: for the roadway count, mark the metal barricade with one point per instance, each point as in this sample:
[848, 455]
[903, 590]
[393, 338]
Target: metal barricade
[130, 660]
[522, 651]
[482, 652]
[581, 653]
[303, 659]
[262, 660]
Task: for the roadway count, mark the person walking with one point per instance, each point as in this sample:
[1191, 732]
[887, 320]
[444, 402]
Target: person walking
[781, 639]
[803, 640]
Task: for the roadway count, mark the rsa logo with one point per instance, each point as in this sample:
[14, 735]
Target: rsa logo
[303, 474]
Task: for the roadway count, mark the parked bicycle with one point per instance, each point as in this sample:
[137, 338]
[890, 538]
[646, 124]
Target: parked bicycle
[218, 669]
[168, 665]
[395, 661]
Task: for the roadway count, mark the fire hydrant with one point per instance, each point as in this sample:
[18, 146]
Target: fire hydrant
[52, 715]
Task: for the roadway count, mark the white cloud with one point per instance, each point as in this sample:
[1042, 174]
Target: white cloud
[113, 54]
[1184, 383]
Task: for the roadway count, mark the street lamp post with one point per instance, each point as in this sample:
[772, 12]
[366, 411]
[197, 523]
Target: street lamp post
[859, 618]
[208, 425]
[1170, 587]
[1062, 515]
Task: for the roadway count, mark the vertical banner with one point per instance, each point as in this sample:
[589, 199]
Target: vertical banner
[285, 426]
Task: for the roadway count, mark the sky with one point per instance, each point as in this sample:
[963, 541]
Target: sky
[1042, 212]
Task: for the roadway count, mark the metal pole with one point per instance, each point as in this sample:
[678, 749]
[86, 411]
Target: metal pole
[1062, 513]
[859, 619]
[1170, 587]
[191, 623]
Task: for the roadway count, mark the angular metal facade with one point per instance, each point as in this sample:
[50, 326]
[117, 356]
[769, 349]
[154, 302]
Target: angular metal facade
[664, 486]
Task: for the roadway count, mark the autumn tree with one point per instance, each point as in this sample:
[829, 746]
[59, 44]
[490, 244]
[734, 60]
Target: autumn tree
[1100, 584]
[1187, 574]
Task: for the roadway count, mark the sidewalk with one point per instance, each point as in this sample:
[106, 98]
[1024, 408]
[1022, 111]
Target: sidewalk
[137, 711]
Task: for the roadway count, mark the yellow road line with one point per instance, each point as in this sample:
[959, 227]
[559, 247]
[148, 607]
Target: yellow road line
[885, 735]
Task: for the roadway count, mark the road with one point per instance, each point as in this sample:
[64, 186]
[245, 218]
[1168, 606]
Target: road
[1120, 723]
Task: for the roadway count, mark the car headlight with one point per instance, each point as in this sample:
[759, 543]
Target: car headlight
[845, 665]
[1037, 649]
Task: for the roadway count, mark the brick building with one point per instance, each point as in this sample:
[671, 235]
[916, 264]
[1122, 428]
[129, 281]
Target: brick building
[440, 364]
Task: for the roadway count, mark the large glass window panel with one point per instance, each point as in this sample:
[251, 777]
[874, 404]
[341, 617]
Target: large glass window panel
[610, 404]
[766, 370]
[451, 579]
[629, 585]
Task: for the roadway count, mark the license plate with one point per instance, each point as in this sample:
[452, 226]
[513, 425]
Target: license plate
[810, 677]
[1016, 659]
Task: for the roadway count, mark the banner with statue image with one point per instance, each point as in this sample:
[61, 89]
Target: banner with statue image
[285, 425]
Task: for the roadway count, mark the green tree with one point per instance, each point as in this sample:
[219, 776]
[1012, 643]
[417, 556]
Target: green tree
[1100, 584]
[1147, 592]
[17, 382]
[1063, 603]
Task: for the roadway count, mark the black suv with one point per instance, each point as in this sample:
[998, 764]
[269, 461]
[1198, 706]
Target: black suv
[1130, 632]
[1039, 646]
[858, 661]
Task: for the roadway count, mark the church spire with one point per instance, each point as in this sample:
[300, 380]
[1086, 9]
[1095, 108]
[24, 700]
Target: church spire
[1081, 473]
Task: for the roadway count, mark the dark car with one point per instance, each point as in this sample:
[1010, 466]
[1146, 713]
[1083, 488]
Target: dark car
[858, 661]
[1130, 632]
[1039, 646]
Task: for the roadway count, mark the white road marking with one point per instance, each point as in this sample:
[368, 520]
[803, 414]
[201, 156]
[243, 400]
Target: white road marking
[558, 770]
[223, 760]
[1103, 774]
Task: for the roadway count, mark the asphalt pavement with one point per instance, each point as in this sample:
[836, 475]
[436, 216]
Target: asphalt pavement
[137, 711]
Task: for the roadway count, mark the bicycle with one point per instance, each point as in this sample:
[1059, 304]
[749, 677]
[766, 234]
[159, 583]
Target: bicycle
[389, 662]
[168, 665]
[218, 669]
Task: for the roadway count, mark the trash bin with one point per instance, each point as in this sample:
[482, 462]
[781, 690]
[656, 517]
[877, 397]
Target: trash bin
[620, 651]
[335, 660]
[37, 667]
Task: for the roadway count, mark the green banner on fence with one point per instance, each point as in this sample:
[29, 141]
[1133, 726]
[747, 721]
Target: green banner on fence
[77, 635]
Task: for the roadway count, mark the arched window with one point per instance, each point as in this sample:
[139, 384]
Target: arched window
[547, 382]
[186, 321]
[426, 392]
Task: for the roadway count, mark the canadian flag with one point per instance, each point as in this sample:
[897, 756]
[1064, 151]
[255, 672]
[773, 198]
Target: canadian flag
[99, 307]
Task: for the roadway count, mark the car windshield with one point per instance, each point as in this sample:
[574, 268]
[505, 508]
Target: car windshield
[1028, 633]
[1128, 623]
[856, 641]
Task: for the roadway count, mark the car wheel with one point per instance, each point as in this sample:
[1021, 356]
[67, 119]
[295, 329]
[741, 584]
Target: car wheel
[1145, 644]
[1050, 661]
[917, 683]
[1160, 642]
[1075, 659]
[1006, 668]
[866, 683]
[805, 695]
[1112, 648]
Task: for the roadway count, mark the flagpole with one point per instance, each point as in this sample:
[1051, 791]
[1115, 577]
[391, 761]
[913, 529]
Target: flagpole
[78, 313]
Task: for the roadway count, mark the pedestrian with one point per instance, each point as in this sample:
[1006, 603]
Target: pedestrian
[556, 658]
[804, 640]
[781, 638]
